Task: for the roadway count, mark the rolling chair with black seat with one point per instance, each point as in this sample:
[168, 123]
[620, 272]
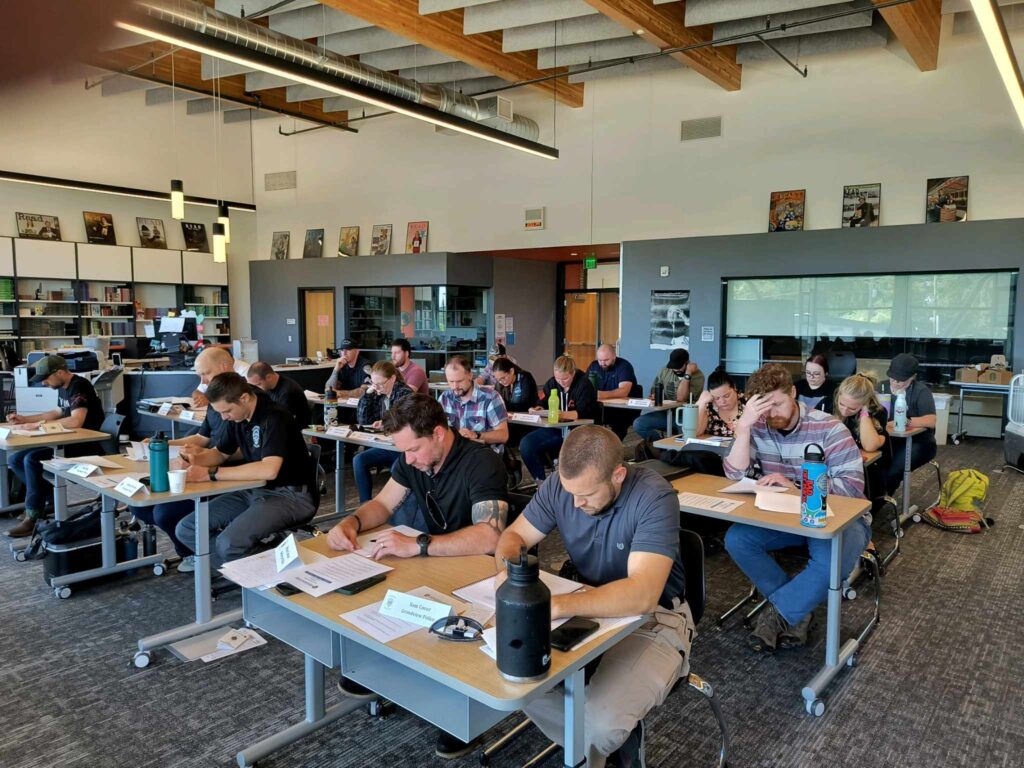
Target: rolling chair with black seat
[691, 552]
[841, 365]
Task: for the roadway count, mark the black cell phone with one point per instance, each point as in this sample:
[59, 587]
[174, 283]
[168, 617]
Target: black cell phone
[287, 589]
[370, 428]
[359, 586]
[572, 632]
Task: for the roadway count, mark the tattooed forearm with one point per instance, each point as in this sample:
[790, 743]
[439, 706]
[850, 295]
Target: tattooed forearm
[494, 513]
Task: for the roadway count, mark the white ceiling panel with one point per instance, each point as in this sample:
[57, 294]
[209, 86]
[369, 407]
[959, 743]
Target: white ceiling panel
[318, 21]
[584, 53]
[404, 57]
[521, 13]
[583, 29]
[361, 41]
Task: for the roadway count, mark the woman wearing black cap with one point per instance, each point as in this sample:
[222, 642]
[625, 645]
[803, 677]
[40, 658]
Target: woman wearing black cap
[902, 375]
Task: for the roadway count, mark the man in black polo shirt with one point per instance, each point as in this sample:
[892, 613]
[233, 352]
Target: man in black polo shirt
[272, 449]
[78, 407]
[451, 488]
[350, 377]
[620, 527]
[282, 390]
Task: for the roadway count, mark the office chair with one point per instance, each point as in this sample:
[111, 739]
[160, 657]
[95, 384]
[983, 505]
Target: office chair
[841, 365]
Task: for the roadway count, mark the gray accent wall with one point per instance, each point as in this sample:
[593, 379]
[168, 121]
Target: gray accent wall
[274, 288]
[527, 290]
[699, 264]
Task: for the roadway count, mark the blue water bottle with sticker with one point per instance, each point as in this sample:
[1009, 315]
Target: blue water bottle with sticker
[813, 487]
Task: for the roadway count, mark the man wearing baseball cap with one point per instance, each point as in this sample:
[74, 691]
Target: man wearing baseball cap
[902, 375]
[679, 379]
[78, 407]
[351, 375]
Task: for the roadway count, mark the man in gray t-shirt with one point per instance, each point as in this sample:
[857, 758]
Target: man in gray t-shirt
[902, 375]
[620, 527]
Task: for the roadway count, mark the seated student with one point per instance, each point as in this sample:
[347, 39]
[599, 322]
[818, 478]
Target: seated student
[857, 405]
[451, 488]
[477, 413]
[241, 367]
[517, 387]
[681, 378]
[272, 449]
[414, 376]
[815, 390]
[577, 400]
[620, 527]
[774, 429]
[496, 352]
[615, 376]
[284, 391]
[349, 377]
[77, 407]
[386, 389]
[902, 375]
[210, 363]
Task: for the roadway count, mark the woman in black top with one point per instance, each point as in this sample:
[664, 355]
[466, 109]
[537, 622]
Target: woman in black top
[815, 390]
[857, 405]
[516, 386]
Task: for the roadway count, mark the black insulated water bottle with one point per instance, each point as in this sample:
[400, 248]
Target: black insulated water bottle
[523, 619]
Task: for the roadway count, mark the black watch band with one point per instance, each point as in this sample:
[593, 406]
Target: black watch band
[424, 542]
[212, 472]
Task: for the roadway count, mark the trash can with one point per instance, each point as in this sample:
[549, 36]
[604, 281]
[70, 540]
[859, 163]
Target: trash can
[942, 402]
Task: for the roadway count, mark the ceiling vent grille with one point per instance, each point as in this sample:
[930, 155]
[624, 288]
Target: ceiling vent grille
[700, 128]
[274, 182]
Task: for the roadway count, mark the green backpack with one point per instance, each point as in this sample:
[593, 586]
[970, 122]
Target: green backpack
[957, 510]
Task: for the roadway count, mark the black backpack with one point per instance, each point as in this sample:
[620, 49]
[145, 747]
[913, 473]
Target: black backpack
[81, 526]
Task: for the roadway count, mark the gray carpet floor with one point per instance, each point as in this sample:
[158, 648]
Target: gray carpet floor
[938, 683]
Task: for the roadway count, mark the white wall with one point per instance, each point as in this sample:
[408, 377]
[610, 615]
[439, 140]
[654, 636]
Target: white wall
[869, 116]
[65, 131]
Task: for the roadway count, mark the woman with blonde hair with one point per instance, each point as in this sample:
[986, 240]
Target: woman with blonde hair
[857, 406]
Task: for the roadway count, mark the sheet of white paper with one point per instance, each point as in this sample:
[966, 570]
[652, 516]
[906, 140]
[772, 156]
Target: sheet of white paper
[41, 432]
[172, 325]
[367, 539]
[710, 503]
[480, 613]
[491, 633]
[749, 485]
[482, 592]
[140, 452]
[255, 640]
[96, 461]
[311, 395]
[110, 481]
[716, 442]
[787, 503]
[329, 573]
[261, 569]
[384, 628]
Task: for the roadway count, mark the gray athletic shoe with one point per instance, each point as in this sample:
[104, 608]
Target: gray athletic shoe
[187, 564]
[766, 631]
[795, 636]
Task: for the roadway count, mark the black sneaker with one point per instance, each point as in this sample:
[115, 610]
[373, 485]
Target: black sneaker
[631, 753]
[353, 690]
[449, 747]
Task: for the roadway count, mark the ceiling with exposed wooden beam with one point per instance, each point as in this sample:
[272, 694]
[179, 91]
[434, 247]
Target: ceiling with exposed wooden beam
[917, 25]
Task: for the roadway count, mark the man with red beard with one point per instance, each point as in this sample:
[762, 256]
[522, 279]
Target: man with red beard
[774, 430]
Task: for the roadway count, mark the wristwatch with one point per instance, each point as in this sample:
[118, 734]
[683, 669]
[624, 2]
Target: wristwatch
[475, 432]
[424, 542]
[687, 377]
[212, 471]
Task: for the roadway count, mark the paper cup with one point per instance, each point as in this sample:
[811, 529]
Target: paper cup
[176, 479]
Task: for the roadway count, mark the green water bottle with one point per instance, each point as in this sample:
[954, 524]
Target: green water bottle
[553, 406]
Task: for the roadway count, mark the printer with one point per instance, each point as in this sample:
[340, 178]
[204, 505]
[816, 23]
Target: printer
[91, 364]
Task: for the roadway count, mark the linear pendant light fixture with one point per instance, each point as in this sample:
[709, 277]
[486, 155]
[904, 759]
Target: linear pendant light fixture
[177, 199]
[146, 25]
[990, 19]
[220, 251]
[224, 220]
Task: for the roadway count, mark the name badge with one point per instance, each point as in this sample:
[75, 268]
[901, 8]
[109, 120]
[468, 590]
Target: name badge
[287, 553]
[352, 401]
[415, 610]
[164, 409]
[533, 418]
[82, 470]
[639, 402]
[188, 415]
[5, 432]
[339, 431]
[129, 486]
[52, 427]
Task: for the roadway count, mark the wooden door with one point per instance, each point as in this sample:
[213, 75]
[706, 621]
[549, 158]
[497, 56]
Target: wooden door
[609, 314]
[581, 328]
[318, 315]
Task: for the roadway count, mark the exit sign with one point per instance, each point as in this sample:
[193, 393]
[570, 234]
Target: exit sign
[590, 262]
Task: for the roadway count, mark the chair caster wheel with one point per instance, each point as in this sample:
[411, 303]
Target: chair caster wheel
[899, 533]
[159, 569]
[916, 517]
[62, 592]
[141, 659]
[816, 707]
[19, 556]
[849, 593]
[852, 661]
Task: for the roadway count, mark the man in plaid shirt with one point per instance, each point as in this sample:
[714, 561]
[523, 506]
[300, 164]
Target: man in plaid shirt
[474, 412]
[775, 429]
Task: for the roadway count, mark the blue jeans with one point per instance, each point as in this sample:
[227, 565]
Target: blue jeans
[27, 465]
[363, 462]
[541, 443]
[166, 517]
[749, 547]
[650, 423]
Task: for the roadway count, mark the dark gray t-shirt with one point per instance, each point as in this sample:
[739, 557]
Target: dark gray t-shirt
[920, 402]
[644, 518]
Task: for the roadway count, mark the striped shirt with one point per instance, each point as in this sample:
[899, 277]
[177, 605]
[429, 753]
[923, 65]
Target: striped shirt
[785, 453]
[483, 412]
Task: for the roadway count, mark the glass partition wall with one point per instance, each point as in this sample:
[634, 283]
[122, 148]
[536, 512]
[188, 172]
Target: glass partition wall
[946, 319]
[438, 320]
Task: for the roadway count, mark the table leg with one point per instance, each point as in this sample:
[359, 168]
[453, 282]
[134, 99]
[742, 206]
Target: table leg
[60, 490]
[906, 510]
[316, 717]
[669, 423]
[174, 430]
[339, 477]
[575, 704]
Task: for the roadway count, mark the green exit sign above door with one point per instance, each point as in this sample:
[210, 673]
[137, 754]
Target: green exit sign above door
[590, 262]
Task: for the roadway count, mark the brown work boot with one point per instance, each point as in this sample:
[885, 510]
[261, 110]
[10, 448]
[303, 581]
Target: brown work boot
[795, 636]
[25, 527]
[765, 634]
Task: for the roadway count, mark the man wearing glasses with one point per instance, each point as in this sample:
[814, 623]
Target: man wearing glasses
[476, 413]
[450, 487]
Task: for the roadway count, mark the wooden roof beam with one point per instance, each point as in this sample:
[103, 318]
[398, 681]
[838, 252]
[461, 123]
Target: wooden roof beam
[916, 25]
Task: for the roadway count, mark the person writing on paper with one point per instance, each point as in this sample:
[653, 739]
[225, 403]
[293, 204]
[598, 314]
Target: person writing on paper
[774, 429]
[216, 362]
[576, 400]
[451, 488]
[902, 375]
[478, 414]
[386, 388]
[497, 352]
[350, 377]
[680, 379]
[517, 387]
[620, 527]
[78, 407]
[280, 389]
[269, 443]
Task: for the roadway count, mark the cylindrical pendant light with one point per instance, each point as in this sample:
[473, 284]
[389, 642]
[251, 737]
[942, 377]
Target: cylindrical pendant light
[177, 199]
[222, 218]
[220, 250]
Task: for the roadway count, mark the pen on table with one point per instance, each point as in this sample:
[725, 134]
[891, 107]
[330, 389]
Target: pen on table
[316, 575]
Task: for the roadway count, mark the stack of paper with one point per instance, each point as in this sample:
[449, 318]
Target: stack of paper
[787, 503]
[140, 452]
[603, 625]
[748, 485]
[709, 503]
[96, 461]
[315, 574]
[252, 640]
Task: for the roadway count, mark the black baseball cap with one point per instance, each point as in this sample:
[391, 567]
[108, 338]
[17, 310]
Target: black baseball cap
[347, 344]
[678, 359]
[902, 367]
[48, 366]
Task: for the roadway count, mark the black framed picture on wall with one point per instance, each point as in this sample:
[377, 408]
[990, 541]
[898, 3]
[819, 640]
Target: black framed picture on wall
[99, 228]
[195, 236]
[862, 205]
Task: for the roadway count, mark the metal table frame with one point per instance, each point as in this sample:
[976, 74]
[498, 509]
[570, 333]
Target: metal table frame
[339, 465]
[669, 407]
[973, 386]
